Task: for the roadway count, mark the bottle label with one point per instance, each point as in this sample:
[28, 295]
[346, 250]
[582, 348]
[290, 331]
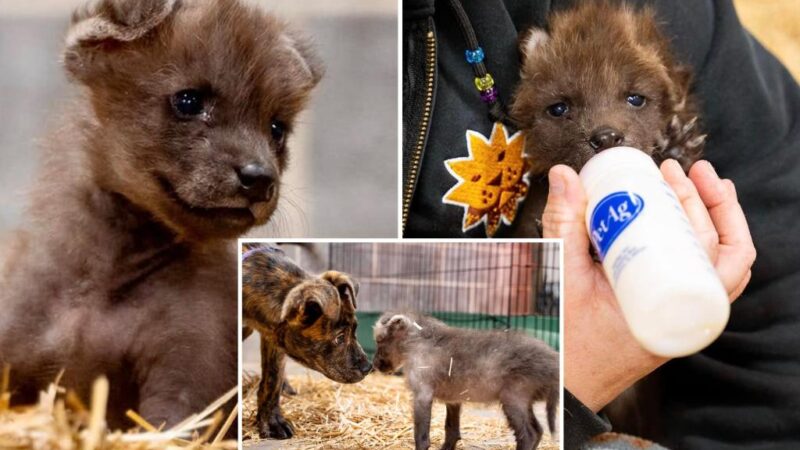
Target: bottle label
[610, 218]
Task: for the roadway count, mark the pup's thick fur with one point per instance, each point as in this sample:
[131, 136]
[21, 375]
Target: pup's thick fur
[124, 266]
[457, 365]
[592, 58]
[309, 318]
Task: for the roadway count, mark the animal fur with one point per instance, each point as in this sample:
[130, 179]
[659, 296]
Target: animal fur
[309, 318]
[457, 365]
[125, 264]
[591, 59]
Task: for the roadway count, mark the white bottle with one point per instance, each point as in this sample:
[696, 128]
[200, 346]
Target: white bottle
[670, 294]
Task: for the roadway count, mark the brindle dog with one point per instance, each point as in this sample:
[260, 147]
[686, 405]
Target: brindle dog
[310, 318]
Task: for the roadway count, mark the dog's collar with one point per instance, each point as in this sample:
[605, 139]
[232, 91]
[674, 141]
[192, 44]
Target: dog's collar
[264, 249]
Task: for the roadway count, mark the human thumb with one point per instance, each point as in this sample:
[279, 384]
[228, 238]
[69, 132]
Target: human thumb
[563, 217]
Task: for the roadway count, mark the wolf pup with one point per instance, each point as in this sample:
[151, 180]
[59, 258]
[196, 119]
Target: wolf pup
[603, 76]
[456, 365]
[309, 318]
[175, 143]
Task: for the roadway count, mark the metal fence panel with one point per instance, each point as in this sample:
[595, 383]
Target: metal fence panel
[475, 285]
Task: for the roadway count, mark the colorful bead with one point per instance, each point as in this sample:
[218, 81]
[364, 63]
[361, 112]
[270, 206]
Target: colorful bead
[474, 56]
[484, 83]
[489, 95]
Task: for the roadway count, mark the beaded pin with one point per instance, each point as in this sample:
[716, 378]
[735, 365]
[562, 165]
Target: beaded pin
[483, 81]
[493, 177]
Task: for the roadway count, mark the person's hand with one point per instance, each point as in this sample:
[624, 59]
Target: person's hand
[601, 356]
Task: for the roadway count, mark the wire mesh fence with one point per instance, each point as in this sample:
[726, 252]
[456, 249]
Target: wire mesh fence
[475, 285]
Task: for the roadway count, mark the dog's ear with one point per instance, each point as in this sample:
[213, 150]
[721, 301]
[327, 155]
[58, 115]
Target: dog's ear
[532, 41]
[106, 25]
[345, 285]
[305, 311]
[307, 68]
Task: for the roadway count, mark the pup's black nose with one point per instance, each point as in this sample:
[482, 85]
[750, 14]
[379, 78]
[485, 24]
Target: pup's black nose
[258, 183]
[605, 137]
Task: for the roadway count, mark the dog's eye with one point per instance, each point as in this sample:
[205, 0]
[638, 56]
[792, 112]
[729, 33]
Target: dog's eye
[636, 100]
[188, 103]
[278, 131]
[338, 339]
[557, 109]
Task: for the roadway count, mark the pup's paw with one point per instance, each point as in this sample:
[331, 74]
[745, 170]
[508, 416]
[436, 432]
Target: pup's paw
[275, 427]
[450, 444]
[681, 141]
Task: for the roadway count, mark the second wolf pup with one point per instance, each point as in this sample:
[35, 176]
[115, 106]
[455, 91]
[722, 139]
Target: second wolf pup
[456, 365]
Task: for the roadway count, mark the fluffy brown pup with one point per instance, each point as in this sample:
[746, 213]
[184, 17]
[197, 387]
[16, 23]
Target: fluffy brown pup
[455, 365]
[603, 76]
[174, 144]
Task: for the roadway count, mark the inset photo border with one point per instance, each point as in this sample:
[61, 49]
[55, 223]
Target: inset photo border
[380, 343]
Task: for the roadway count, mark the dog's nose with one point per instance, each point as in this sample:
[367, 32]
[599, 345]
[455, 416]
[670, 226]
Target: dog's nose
[258, 183]
[605, 137]
[366, 367]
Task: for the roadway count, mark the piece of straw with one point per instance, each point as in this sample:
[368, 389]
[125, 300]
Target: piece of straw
[373, 414]
[60, 421]
[97, 417]
[226, 426]
[5, 396]
[139, 420]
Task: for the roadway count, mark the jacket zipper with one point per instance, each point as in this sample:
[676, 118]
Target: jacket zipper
[416, 156]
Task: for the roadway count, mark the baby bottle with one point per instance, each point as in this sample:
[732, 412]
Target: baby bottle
[670, 294]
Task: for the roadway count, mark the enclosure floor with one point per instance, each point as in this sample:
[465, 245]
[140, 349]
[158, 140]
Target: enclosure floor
[333, 416]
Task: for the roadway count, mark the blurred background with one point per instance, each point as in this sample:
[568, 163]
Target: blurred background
[342, 181]
[776, 24]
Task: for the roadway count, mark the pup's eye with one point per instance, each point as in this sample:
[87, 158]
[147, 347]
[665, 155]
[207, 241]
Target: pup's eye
[636, 100]
[278, 131]
[338, 339]
[557, 109]
[188, 103]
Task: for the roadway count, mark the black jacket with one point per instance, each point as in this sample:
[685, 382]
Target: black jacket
[744, 390]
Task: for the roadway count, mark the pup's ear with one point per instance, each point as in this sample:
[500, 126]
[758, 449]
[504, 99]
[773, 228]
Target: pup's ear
[400, 325]
[103, 25]
[345, 285]
[682, 81]
[399, 321]
[308, 68]
[531, 41]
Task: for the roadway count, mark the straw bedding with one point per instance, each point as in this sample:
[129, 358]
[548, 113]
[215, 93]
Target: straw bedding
[373, 414]
[60, 421]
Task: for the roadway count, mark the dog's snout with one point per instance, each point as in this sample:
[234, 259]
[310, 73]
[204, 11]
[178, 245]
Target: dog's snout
[258, 182]
[366, 367]
[605, 137]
